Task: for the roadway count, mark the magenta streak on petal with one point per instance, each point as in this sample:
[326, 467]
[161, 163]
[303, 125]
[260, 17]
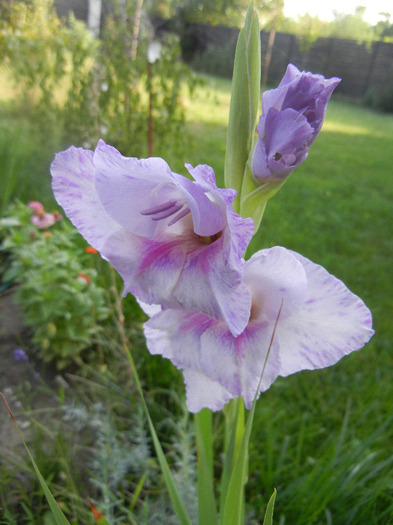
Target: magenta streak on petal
[156, 255]
[179, 216]
[238, 346]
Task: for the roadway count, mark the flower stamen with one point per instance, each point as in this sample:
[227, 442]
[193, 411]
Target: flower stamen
[160, 208]
[163, 211]
[179, 216]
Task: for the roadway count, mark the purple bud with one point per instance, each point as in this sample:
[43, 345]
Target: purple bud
[292, 116]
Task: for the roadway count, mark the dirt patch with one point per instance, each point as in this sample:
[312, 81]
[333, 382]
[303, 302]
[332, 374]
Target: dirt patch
[13, 335]
[23, 380]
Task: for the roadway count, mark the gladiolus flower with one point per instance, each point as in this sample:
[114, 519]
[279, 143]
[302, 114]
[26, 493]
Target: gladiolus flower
[302, 318]
[292, 117]
[174, 241]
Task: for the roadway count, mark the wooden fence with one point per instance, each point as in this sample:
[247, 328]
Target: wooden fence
[362, 67]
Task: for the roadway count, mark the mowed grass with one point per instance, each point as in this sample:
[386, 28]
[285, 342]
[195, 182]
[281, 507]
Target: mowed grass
[322, 438]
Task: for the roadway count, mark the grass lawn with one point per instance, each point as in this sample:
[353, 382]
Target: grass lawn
[322, 438]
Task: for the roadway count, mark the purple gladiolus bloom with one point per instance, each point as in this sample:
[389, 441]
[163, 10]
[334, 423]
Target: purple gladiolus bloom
[292, 117]
[174, 241]
[309, 317]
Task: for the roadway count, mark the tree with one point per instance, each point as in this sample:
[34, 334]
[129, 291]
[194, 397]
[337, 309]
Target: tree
[383, 29]
[351, 26]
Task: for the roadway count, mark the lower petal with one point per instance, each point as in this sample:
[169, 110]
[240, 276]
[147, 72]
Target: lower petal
[73, 183]
[149, 269]
[203, 392]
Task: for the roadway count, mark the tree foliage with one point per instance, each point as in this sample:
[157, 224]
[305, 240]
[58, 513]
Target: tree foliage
[96, 87]
[350, 26]
[218, 12]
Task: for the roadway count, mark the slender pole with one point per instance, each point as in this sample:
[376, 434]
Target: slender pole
[150, 117]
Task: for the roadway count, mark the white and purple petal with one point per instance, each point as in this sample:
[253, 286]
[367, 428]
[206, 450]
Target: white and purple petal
[73, 184]
[302, 318]
[332, 323]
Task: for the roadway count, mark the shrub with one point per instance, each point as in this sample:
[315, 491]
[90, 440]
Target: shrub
[57, 287]
[96, 88]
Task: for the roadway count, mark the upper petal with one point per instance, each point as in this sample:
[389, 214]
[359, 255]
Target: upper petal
[305, 92]
[128, 186]
[259, 166]
[208, 217]
[286, 135]
[73, 183]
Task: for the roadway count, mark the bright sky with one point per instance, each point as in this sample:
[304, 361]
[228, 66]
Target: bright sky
[324, 8]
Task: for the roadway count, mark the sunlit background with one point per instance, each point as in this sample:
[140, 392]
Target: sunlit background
[326, 10]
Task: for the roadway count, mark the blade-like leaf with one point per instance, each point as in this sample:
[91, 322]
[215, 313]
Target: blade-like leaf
[233, 509]
[177, 503]
[207, 508]
[269, 509]
[244, 105]
[234, 430]
[58, 515]
[138, 490]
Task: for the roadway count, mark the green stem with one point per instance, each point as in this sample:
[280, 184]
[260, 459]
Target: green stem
[234, 431]
[207, 508]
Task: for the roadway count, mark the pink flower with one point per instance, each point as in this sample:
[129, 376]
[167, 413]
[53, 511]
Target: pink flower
[36, 206]
[312, 319]
[43, 220]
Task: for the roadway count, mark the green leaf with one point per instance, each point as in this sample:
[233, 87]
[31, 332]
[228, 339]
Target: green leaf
[137, 492]
[234, 430]
[232, 512]
[177, 503]
[269, 509]
[58, 515]
[207, 509]
[244, 105]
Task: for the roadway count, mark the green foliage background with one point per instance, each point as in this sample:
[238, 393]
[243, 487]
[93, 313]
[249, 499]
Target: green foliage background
[322, 438]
